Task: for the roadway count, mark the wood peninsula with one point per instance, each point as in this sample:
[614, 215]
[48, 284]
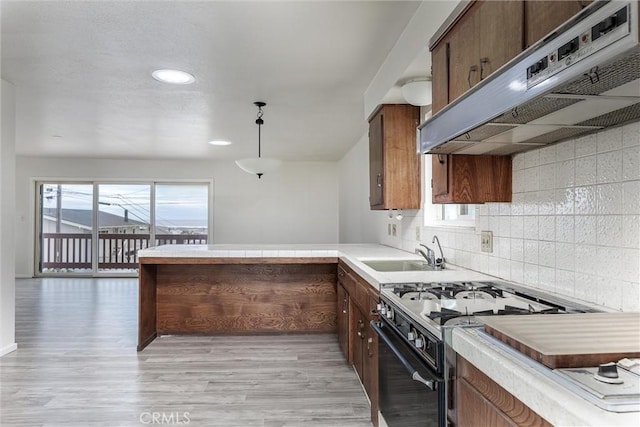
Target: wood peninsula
[230, 289]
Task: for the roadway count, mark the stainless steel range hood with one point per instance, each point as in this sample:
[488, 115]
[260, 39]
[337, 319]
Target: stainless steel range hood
[584, 79]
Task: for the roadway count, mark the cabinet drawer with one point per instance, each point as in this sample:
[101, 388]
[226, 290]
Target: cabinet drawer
[347, 280]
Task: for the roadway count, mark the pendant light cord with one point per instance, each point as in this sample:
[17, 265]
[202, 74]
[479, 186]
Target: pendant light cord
[259, 122]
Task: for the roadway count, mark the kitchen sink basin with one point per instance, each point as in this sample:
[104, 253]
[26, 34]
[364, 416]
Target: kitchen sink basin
[398, 265]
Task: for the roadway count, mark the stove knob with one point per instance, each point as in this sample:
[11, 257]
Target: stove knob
[390, 313]
[379, 307]
[411, 335]
[383, 309]
[608, 370]
[420, 342]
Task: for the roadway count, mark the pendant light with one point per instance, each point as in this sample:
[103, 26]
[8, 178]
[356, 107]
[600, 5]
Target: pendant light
[259, 165]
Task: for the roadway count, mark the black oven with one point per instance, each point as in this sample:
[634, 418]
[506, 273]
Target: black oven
[410, 374]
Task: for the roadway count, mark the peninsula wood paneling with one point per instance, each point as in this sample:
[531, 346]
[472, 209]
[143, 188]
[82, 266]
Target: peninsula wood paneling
[146, 311]
[246, 298]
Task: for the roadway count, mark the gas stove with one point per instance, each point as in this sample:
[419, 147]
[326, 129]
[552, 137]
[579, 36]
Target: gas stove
[435, 305]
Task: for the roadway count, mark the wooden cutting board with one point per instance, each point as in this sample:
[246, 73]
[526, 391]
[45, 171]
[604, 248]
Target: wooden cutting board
[569, 340]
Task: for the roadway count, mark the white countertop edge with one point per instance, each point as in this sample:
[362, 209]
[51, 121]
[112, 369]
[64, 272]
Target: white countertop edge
[543, 395]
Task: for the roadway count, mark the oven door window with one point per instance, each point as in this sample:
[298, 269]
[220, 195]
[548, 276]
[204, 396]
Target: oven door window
[403, 401]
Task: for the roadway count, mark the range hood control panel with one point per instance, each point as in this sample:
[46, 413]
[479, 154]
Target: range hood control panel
[580, 46]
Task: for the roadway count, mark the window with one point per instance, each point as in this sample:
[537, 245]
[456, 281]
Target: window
[439, 215]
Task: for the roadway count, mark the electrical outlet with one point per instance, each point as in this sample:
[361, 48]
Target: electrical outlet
[486, 241]
[418, 234]
[394, 230]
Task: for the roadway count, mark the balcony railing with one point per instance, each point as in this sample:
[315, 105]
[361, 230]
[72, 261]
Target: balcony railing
[72, 251]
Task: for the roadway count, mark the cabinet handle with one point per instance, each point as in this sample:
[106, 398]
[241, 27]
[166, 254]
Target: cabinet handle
[344, 306]
[483, 61]
[379, 180]
[340, 274]
[369, 341]
[472, 69]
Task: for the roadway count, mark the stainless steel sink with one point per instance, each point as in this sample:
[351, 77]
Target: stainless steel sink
[398, 265]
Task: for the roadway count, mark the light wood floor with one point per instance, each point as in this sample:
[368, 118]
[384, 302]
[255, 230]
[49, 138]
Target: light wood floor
[77, 365]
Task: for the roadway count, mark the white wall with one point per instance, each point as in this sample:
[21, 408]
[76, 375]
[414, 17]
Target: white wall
[297, 204]
[573, 227]
[358, 224]
[7, 219]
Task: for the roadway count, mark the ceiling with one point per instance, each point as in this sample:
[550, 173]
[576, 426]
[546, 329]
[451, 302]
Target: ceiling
[82, 72]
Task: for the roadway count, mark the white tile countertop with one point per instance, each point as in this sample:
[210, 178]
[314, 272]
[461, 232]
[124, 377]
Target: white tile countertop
[542, 394]
[351, 254]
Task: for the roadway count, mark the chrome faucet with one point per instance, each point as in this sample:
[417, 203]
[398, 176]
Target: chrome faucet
[440, 261]
[430, 256]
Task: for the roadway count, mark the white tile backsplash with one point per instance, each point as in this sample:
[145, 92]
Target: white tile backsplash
[631, 163]
[573, 226]
[631, 135]
[586, 145]
[565, 150]
[609, 167]
[565, 174]
[631, 197]
[586, 170]
[609, 199]
[609, 140]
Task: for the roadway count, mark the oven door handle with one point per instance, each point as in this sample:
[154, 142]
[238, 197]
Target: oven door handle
[412, 371]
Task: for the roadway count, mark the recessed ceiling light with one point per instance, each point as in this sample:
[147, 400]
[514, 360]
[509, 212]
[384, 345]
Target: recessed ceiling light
[175, 77]
[220, 142]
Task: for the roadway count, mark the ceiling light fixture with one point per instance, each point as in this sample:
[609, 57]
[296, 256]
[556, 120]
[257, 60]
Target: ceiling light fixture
[220, 142]
[175, 77]
[259, 165]
[417, 91]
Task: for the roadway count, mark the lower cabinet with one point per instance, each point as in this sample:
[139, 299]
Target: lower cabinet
[358, 341]
[480, 401]
[343, 320]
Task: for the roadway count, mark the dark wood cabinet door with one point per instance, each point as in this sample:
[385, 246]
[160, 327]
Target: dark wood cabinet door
[542, 17]
[371, 361]
[376, 171]
[440, 76]
[500, 33]
[394, 164]
[343, 320]
[358, 325]
[480, 401]
[475, 410]
[464, 57]
[471, 179]
[439, 176]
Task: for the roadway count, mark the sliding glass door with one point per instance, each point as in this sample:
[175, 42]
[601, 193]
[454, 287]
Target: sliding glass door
[98, 228]
[124, 224]
[66, 228]
[181, 214]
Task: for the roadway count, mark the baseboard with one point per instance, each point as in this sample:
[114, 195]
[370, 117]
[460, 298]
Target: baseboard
[8, 349]
[24, 276]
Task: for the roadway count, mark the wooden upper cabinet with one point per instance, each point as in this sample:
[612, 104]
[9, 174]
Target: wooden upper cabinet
[394, 164]
[464, 55]
[500, 34]
[485, 37]
[458, 178]
[439, 77]
[542, 17]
